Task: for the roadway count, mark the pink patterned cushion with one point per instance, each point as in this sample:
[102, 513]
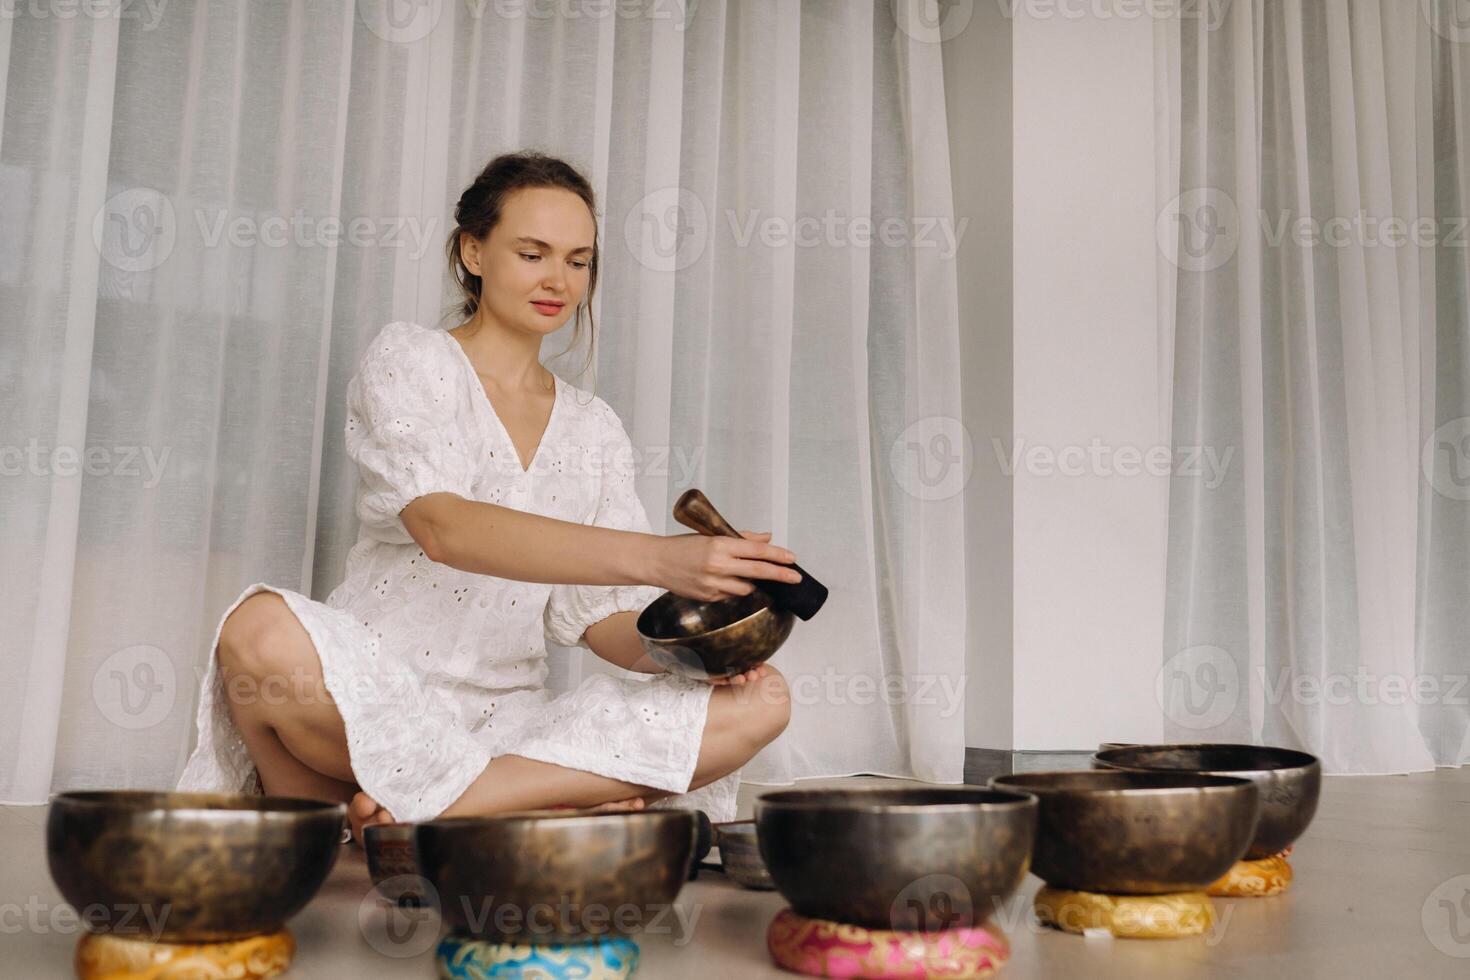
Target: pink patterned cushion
[820, 948]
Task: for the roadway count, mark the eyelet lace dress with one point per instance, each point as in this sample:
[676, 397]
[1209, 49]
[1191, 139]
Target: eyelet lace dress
[435, 671]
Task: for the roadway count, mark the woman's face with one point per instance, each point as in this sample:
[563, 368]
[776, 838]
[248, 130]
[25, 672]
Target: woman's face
[535, 263]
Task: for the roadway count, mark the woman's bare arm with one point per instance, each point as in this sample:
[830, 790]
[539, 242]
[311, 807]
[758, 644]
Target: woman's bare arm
[507, 543]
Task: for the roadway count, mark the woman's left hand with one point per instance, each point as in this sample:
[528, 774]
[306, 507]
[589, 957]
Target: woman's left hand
[749, 677]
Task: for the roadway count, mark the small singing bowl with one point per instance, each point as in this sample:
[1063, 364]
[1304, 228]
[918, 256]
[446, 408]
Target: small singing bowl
[713, 639]
[1290, 782]
[740, 854]
[1137, 833]
[901, 859]
[392, 863]
[189, 867]
[556, 876]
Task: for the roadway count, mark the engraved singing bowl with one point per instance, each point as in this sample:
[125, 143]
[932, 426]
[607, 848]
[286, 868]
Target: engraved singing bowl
[549, 876]
[1137, 833]
[190, 867]
[740, 854]
[903, 859]
[1290, 782]
[392, 863]
[712, 639]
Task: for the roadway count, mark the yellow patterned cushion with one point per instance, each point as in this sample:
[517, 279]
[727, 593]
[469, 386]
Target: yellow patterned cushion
[1255, 879]
[1126, 916]
[101, 956]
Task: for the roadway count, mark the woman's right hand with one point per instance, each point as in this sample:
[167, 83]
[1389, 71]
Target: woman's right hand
[707, 568]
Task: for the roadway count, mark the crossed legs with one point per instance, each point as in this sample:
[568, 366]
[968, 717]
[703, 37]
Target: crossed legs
[295, 735]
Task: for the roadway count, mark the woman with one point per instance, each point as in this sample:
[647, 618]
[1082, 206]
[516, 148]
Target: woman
[497, 509]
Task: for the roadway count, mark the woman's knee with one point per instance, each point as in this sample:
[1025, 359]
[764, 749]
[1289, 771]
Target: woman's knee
[765, 707]
[261, 645]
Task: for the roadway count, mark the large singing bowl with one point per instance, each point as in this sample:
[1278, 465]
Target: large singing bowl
[1290, 782]
[1137, 833]
[713, 639]
[903, 859]
[555, 876]
[189, 867]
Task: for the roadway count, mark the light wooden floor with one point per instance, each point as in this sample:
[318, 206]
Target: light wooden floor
[1382, 890]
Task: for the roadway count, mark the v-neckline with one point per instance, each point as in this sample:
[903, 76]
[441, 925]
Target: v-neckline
[510, 443]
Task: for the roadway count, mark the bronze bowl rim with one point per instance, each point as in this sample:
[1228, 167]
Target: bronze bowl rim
[1173, 782]
[190, 803]
[849, 800]
[770, 608]
[1292, 759]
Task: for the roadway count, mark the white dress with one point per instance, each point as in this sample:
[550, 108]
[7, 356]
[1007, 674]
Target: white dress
[434, 670]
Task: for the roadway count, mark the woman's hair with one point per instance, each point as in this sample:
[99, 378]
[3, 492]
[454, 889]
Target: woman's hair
[479, 210]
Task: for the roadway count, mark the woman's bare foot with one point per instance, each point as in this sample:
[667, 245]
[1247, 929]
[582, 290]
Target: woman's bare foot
[364, 811]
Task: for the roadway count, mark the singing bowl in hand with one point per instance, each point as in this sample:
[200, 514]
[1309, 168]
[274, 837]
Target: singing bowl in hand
[1137, 833]
[1290, 781]
[711, 640]
[190, 867]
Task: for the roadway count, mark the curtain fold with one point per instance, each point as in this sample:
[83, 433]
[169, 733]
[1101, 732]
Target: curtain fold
[206, 215]
[1313, 239]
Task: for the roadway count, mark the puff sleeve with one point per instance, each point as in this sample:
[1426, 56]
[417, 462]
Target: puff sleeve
[402, 429]
[572, 608]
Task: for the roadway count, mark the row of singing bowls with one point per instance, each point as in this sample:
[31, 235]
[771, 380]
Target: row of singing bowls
[713, 639]
[896, 858]
[555, 875]
[190, 867]
[1290, 781]
[1137, 833]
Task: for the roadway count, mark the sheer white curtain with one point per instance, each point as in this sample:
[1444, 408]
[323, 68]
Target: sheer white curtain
[1315, 179]
[207, 211]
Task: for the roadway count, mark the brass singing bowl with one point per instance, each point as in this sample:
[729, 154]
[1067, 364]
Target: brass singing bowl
[905, 859]
[740, 854]
[556, 876]
[713, 639]
[1137, 833]
[1290, 782]
[189, 867]
[392, 863]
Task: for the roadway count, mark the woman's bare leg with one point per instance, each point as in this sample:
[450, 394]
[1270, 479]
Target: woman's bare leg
[741, 720]
[274, 688]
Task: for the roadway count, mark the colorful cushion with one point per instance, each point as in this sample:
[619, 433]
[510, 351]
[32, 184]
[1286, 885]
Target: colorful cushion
[1126, 916]
[821, 948]
[102, 956]
[1255, 879]
[467, 958]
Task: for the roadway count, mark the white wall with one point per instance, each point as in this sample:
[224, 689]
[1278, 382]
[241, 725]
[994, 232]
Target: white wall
[1088, 550]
